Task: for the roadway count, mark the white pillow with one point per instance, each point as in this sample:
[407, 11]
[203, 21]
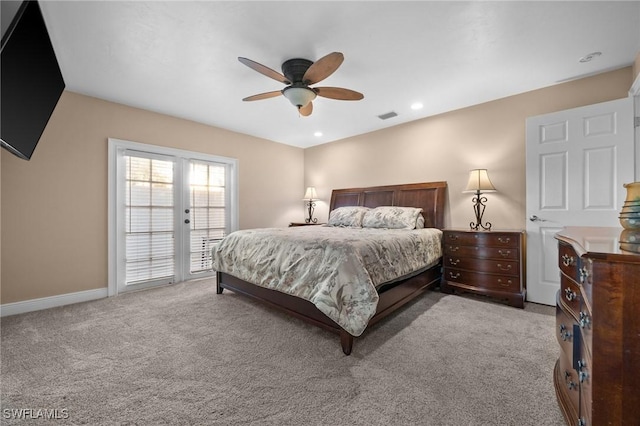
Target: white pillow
[350, 216]
[391, 217]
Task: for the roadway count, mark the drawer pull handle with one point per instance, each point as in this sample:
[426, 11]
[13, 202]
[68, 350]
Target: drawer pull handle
[454, 276]
[568, 260]
[508, 268]
[453, 237]
[564, 333]
[507, 284]
[569, 295]
[585, 319]
[584, 274]
[504, 240]
[504, 253]
[570, 383]
[454, 262]
[454, 248]
[582, 375]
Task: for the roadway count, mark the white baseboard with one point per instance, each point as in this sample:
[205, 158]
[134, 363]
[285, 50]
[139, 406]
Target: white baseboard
[51, 302]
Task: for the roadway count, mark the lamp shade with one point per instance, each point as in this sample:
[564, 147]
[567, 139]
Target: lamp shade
[479, 182]
[310, 194]
[299, 96]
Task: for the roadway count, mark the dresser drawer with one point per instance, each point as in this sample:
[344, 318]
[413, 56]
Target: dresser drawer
[564, 329]
[481, 252]
[503, 267]
[490, 239]
[569, 380]
[483, 281]
[570, 295]
[568, 261]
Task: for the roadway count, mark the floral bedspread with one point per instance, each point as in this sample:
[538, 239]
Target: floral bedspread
[336, 269]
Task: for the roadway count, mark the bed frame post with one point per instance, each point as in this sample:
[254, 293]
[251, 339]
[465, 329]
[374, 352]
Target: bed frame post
[218, 282]
[346, 341]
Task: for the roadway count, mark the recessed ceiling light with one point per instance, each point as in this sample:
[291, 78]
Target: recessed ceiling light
[416, 106]
[590, 56]
[317, 134]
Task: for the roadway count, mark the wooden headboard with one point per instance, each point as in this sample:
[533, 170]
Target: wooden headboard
[430, 196]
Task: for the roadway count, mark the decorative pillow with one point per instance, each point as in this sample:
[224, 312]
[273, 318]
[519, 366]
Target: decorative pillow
[391, 217]
[420, 222]
[347, 216]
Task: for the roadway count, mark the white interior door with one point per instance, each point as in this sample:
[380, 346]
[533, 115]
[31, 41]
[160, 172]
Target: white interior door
[577, 161]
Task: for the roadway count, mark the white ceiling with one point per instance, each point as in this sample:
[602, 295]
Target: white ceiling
[180, 58]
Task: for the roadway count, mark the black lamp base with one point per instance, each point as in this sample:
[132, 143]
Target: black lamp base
[478, 208]
[311, 206]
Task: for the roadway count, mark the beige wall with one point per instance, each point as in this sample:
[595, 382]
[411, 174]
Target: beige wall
[447, 146]
[54, 207]
[636, 66]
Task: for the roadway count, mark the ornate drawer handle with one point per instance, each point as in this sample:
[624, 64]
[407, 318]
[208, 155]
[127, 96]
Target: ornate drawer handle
[582, 375]
[504, 240]
[585, 319]
[569, 294]
[564, 334]
[570, 383]
[508, 268]
[568, 260]
[454, 276]
[584, 274]
[454, 262]
[504, 253]
[453, 237]
[454, 248]
[507, 284]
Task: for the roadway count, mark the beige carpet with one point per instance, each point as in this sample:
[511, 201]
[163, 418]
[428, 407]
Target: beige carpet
[183, 355]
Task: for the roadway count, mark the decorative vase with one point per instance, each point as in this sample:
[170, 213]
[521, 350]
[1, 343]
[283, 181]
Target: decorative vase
[633, 191]
[630, 213]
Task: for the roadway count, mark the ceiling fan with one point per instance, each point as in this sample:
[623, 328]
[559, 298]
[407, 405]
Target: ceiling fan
[298, 75]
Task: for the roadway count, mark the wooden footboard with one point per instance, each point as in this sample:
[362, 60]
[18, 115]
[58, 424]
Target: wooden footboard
[391, 298]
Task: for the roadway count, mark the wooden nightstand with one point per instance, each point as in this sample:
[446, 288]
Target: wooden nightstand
[304, 224]
[491, 263]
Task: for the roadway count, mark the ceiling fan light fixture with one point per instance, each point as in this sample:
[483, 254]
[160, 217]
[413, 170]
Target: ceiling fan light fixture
[299, 96]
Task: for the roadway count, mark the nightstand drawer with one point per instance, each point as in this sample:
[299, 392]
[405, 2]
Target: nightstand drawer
[482, 281]
[489, 239]
[504, 267]
[481, 252]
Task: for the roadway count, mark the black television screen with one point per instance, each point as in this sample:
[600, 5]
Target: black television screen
[31, 80]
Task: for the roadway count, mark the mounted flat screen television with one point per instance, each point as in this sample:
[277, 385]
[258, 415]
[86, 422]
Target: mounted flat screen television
[31, 81]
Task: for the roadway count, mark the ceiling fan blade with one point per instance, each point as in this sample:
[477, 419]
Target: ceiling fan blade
[264, 70]
[323, 68]
[306, 110]
[265, 95]
[338, 93]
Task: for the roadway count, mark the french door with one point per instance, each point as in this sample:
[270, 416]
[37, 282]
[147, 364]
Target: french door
[167, 208]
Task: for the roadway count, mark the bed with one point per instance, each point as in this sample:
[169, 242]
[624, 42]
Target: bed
[258, 278]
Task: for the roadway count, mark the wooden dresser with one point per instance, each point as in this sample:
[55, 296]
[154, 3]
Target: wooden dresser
[491, 263]
[597, 376]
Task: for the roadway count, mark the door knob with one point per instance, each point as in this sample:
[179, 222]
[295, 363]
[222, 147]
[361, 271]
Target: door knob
[534, 218]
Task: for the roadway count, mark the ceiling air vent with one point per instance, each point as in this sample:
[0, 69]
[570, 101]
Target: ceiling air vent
[387, 115]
